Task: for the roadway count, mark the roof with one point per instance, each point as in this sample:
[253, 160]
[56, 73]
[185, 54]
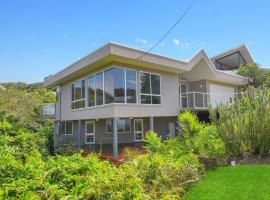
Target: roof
[241, 48]
[113, 52]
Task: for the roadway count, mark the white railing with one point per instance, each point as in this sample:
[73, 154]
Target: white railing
[48, 110]
[200, 100]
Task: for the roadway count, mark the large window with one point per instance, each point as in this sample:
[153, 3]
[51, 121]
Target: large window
[123, 125]
[114, 85]
[91, 91]
[131, 86]
[99, 88]
[150, 88]
[66, 128]
[120, 85]
[90, 132]
[78, 95]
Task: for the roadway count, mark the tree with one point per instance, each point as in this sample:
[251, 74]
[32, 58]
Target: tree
[257, 76]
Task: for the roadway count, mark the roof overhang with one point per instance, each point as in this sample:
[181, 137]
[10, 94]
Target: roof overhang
[117, 53]
[217, 75]
[242, 49]
[113, 52]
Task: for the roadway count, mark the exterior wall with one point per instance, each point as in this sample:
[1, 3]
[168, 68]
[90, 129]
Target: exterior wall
[169, 101]
[101, 137]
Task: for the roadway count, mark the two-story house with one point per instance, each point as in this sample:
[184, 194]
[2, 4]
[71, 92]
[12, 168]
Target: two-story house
[113, 96]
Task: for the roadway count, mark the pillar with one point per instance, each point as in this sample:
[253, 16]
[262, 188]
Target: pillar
[115, 139]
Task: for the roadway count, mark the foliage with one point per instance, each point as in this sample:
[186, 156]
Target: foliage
[239, 182]
[245, 125]
[153, 141]
[257, 75]
[199, 138]
[24, 102]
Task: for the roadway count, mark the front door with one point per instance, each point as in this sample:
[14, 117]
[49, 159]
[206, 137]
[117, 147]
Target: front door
[89, 132]
[138, 130]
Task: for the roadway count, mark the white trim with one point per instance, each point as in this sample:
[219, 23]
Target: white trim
[66, 127]
[140, 132]
[93, 134]
[157, 95]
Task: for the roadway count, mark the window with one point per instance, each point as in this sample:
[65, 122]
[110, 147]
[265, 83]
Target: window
[150, 88]
[78, 95]
[184, 95]
[109, 126]
[119, 85]
[109, 86]
[123, 125]
[138, 130]
[91, 91]
[66, 128]
[131, 86]
[89, 132]
[99, 88]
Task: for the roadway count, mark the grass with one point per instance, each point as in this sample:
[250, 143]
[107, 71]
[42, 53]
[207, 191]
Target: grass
[240, 182]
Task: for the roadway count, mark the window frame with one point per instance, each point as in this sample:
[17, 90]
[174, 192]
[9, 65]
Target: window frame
[87, 134]
[138, 132]
[66, 128]
[82, 99]
[151, 94]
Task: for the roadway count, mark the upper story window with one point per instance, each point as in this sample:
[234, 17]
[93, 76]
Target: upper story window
[150, 88]
[78, 95]
[115, 85]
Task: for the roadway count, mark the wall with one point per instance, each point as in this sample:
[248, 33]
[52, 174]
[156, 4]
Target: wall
[169, 101]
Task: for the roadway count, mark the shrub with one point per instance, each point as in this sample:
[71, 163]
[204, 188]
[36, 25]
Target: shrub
[199, 138]
[244, 126]
[153, 142]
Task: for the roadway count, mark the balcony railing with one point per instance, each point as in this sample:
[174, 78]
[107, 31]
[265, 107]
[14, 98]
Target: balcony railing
[200, 100]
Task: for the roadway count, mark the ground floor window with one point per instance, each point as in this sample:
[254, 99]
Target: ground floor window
[66, 128]
[90, 132]
[138, 130]
[123, 125]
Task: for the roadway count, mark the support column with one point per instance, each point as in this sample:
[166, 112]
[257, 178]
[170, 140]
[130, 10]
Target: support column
[79, 135]
[152, 123]
[115, 139]
[56, 133]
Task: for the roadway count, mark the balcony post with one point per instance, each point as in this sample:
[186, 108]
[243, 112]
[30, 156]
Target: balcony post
[152, 123]
[193, 99]
[115, 139]
[79, 135]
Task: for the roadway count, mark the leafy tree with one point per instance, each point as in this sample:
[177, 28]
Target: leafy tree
[257, 76]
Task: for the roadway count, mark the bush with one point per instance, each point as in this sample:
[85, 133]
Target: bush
[199, 138]
[244, 126]
[153, 142]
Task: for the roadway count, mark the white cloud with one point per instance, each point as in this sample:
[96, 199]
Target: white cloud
[140, 40]
[176, 42]
[183, 45]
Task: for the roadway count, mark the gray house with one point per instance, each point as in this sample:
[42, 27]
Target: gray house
[113, 96]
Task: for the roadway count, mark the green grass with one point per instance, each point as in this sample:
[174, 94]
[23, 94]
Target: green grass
[229, 183]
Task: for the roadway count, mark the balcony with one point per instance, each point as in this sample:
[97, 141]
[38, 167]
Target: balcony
[202, 101]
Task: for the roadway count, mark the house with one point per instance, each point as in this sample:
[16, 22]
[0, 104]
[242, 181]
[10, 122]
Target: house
[113, 96]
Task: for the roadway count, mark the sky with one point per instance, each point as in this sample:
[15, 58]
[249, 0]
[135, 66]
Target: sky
[39, 38]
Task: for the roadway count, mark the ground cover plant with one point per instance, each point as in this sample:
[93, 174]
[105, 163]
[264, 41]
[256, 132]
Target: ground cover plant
[240, 182]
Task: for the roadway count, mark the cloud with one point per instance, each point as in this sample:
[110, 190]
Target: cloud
[176, 42]
[140, 40]
[183, 45]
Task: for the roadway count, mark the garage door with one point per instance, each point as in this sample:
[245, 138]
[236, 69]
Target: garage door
[220, 94]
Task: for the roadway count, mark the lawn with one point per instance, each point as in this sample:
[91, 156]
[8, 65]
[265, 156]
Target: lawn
[240, 182]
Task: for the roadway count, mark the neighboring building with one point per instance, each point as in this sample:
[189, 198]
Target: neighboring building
[111, 96]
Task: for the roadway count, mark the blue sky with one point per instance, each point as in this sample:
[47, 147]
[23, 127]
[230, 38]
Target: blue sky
[39, 38]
